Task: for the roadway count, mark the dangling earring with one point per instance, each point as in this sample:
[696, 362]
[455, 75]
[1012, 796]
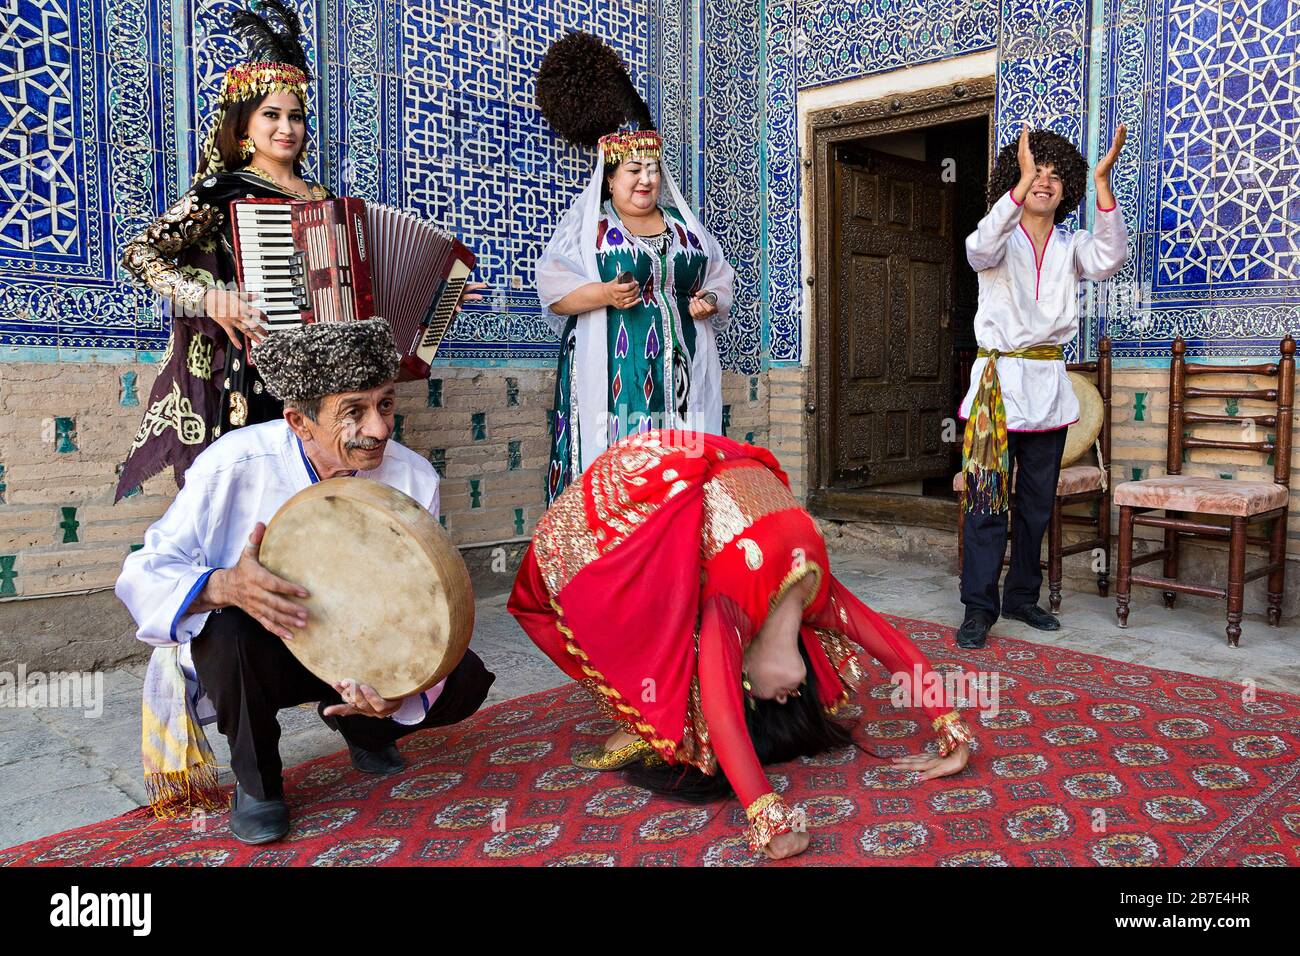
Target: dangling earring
[749, 695]
[246, 147]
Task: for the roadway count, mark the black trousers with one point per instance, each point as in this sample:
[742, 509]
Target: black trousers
[250, 675]
[1038, 455]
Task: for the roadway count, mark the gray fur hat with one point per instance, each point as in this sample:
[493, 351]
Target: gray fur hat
[325, 358]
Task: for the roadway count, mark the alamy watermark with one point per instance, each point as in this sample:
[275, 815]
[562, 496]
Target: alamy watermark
[73, 690]
[922, 688]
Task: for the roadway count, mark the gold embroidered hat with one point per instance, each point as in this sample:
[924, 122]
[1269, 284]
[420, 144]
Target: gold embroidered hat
[276, 64]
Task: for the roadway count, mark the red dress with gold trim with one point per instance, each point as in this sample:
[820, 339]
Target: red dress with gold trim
[646, 580]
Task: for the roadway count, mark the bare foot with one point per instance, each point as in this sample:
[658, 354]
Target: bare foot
[619, 738]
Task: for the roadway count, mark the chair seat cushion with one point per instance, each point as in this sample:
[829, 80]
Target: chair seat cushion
[1073, 480]
[1210, 496]
[1078, 478]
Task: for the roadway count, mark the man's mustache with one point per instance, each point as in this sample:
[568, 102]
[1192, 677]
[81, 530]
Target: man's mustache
[364, 444]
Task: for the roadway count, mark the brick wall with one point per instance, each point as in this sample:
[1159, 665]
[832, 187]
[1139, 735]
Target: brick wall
[68, 425]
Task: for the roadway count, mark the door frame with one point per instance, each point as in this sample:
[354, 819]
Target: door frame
[827, 128]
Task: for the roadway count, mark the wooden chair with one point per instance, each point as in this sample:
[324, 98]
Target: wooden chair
[1079, 483]
[1242, 502]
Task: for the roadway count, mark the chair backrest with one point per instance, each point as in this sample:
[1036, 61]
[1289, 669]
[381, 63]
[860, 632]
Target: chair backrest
[1101, 370]
[1281, 394]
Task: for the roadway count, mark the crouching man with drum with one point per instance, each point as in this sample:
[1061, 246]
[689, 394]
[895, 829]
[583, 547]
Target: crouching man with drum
[219, 620]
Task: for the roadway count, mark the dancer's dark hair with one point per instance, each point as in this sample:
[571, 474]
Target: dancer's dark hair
[780, 732]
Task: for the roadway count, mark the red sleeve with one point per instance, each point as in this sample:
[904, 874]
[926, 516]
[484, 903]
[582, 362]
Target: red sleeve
[723, 699]
[845, 613]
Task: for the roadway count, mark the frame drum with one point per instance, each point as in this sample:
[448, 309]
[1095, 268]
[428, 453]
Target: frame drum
[1081, 435]
[391, 604]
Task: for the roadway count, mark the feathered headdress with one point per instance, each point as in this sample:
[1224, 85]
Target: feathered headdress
[585, 93]
[276, 63]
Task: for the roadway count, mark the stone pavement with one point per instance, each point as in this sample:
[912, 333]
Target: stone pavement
[60, 769]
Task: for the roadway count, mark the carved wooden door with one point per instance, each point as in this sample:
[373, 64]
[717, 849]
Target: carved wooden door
[891, 338]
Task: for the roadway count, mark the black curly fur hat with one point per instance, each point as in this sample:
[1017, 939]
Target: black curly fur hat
[584, 91]
[1047, 147]
[324, 358]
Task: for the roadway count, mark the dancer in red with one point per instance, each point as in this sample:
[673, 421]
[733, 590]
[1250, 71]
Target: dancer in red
[679, 577]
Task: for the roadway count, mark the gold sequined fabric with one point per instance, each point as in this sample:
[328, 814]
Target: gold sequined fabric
[565, 542]
[151, 255]
[768, 817]
[614, 475]
[695, 748]
[952, 730]
[843, 655]
[734, 499]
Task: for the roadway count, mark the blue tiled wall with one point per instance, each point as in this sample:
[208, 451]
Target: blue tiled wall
[1208, 181]
[425, 104]
[429, 106]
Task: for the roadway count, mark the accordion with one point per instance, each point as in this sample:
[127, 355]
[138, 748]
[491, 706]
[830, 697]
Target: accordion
[345, 260]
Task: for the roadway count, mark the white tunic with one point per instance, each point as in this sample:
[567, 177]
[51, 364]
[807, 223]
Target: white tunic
[237, 481]
[1024, 301]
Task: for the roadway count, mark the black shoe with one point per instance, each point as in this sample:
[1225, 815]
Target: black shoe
[1034, 616]
[385, 760]
[256, 821]
[973, 633]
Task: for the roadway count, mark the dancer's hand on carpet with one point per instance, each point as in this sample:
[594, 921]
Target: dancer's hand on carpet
[787, 844]
[360, 700]
[931, 766]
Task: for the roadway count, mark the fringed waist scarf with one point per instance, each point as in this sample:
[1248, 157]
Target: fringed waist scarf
[985, 461]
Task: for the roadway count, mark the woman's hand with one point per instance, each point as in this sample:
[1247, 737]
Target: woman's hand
[236, 314]
[702, 308]
[785, 845]
[932, 765]
[622, 295]
[472, 292]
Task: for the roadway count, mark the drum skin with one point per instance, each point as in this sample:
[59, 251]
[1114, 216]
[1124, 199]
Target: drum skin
[1082, 434]
[391, 604]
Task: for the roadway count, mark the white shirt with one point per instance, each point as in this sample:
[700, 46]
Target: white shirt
[1024, 301]
[240, 479]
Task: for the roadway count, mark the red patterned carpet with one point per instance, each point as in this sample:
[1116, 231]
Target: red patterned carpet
[1089, 762]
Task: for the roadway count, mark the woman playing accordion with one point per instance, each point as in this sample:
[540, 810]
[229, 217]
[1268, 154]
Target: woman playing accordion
[254, 149]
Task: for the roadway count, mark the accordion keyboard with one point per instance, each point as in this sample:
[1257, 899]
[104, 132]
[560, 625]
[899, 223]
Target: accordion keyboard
[272, 268]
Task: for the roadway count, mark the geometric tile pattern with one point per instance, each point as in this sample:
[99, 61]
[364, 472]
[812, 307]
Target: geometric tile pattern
[757, 56]
[1211, 180]
[733, 168]
[430, 107]
[1227, 162]
[843, 39]
[424, 106]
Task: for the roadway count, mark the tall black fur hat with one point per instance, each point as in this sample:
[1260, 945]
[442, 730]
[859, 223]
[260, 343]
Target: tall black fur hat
[584, 91]
[326, 358]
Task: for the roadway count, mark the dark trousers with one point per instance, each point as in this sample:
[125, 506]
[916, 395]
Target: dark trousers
[1038, 455]
[250, 675]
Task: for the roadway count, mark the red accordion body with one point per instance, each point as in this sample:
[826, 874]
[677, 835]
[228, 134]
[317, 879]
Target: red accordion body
[343, 260]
